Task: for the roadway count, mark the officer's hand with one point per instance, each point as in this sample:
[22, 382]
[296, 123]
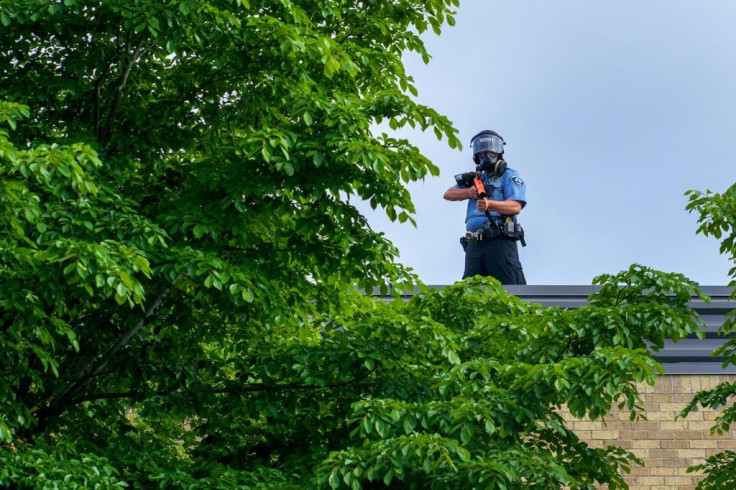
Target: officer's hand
[473, 193]
[482, 205]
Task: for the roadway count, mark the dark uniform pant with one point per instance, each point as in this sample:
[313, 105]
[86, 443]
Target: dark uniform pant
[497, 257]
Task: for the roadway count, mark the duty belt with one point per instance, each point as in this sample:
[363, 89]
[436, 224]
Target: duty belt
[485, 233]
[510, 230]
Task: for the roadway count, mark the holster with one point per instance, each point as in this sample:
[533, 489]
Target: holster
[512, 230]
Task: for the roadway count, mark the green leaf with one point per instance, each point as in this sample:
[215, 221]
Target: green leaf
[388, 477]
[466, 434]
[334, 479]
[185, 6]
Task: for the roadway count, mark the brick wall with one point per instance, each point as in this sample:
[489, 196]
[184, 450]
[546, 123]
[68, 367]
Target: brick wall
[667, 446]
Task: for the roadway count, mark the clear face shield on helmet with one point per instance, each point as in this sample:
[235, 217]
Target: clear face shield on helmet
[487, 142]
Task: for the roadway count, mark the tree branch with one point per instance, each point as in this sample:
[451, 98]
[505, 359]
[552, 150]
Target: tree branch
[103, 396]
[98, 85]
[288, 386]
[105, 134]
[96, 368]
[253, 387]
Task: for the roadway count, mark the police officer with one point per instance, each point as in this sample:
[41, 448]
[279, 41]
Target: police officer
[490, 221]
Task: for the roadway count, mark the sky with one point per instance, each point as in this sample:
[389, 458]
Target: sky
[611, 111]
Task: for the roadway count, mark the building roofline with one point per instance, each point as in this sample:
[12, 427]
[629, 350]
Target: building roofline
[688, 356]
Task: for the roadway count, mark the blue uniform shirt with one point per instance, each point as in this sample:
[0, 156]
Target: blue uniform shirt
[499, 188]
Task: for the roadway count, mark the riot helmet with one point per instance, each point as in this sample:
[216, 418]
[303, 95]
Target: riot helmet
[488, 151]
[487, 141]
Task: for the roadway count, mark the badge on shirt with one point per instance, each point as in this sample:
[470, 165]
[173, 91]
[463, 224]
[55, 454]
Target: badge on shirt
[517, 180]
[495, 179]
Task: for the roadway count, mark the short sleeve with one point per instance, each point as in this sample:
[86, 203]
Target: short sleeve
[514, 187]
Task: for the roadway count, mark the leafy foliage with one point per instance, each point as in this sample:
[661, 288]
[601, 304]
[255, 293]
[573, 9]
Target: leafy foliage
[179, 256]
[174, 186]
[717, 218]
[466, 384]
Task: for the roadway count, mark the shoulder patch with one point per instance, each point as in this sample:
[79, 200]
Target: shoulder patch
[517, 180]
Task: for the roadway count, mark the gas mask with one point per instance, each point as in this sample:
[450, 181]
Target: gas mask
[490, 162]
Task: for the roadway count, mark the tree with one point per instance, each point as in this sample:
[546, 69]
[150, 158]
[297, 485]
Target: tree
[179, 260]
[717, 218]
[175, 188]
